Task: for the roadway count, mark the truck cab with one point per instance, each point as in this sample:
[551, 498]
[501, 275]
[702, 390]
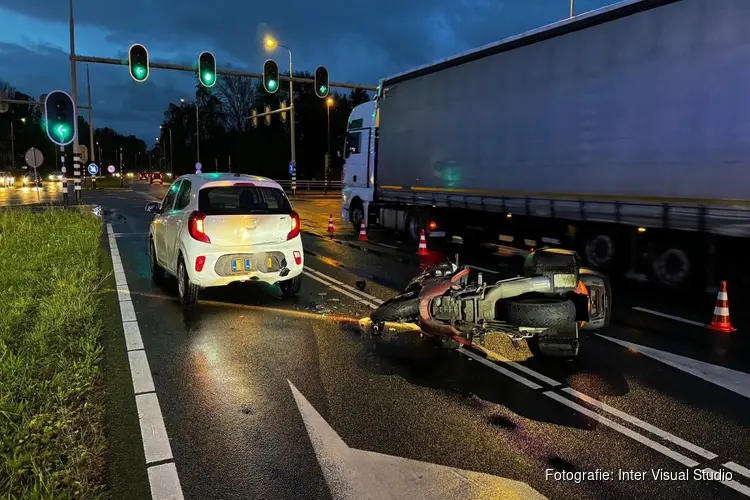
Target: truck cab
[358, 175]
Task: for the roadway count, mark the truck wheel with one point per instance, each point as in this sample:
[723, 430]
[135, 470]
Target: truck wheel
[672, 267]
[540, 313]
[415, 223]
[600, 251]
[396, 312]
[356, 214]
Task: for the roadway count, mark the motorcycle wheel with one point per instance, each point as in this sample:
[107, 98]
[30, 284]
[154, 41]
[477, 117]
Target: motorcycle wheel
[396, 312]
[541, 313]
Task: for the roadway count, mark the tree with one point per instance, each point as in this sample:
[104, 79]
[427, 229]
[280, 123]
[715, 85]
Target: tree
[237, 94]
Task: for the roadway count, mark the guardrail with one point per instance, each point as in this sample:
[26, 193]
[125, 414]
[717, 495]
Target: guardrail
[303, 185]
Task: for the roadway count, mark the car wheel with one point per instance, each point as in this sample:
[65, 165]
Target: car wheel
[157, 272]
[290, 288]
[188, 290]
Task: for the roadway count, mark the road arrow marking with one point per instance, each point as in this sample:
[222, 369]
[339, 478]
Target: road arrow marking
[352, 473]
[733, 380]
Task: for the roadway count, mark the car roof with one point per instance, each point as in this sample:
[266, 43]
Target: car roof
[227, 179]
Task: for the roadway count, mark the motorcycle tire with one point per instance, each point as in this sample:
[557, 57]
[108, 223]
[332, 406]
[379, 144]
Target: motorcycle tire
[396, 312]
[540, 313]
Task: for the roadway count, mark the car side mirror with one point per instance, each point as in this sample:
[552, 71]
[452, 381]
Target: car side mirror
[153, 207]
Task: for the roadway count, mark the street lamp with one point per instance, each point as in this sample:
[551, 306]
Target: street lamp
[329, 103]
[101, 159]
[171, 149]
[270, 44]
[197, 132]
[13, 142]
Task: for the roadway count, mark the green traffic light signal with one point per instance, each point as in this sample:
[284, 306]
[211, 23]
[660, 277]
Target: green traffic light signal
[271, 76]
[321, 82]
[207, 69]
[60, 118]
[138, 62]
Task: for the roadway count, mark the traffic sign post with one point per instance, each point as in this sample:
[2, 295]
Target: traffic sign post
[111, 169]
[93, 169]
[64, 175]
[34, 159]
[198, 168]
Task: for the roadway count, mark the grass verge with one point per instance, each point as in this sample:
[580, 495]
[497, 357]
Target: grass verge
[51, 391]
[107, 183]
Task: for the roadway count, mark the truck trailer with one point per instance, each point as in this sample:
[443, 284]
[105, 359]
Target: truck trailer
[623, 133]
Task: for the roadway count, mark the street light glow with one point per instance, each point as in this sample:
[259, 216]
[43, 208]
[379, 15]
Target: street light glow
[270, 43]
[329, 101]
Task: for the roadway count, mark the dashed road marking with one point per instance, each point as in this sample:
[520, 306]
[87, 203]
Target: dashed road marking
[163, 479]
[669, 316]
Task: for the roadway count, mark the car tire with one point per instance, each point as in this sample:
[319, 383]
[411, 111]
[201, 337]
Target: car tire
[540, 313]
[188, 290]
[290, 288]
[157, 272]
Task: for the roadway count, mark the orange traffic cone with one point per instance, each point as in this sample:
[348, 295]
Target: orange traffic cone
[362, 232]
[720, 321]
[330, 225]
[422, 250]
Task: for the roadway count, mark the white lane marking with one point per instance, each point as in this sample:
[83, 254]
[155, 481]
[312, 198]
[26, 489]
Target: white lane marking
[163, 479]
[643, 425]
[132, 336]
[353, 473]
[153, 432]
[164, 482]
[126, 310]
[744, 471]
[344, 285]
[679, 457]
[528, 371]
[741, 488]
[732, 380]
[140, 372]
[669, 316]
[339, 289]
[518, 378]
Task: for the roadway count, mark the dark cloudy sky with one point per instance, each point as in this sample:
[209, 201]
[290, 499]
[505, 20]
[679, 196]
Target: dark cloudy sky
[359, 41]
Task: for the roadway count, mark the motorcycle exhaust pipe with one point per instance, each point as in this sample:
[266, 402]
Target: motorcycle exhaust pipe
[516, 287]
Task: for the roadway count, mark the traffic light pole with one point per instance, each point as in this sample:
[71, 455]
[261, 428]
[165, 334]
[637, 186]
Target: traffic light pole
[291, 124]
[74, 82]
[64, 175]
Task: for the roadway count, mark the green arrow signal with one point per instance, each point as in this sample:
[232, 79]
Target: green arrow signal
[62, 131]
[139, 72]
[323, 89]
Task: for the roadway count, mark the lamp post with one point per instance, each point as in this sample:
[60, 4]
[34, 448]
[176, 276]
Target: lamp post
[171, 149]
[197, 132]
[13, 142]
[101, 159]
[329, 103]
[270, 44]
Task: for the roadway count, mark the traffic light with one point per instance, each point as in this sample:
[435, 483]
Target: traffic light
[321, 82]
[60, 118]
[283, 112]
[138, 62]
[207, 69]
[267, 110]
[271, 76]
[255, 118]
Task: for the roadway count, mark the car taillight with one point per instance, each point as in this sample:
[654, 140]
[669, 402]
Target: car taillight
[295, 226]
[200, 262]
[432, 225]
[196, 227]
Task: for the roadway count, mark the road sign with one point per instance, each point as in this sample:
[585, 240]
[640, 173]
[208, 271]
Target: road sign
[63, 169]
[93, 169]
[34, 157]
[84, 153]
[198, 167]
[3, 105]
[111, 169]
[291, 168]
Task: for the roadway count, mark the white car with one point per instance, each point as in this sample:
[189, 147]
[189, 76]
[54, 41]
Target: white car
[219, 228]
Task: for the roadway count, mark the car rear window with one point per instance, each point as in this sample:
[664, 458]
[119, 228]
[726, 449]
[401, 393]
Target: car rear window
[240, 200]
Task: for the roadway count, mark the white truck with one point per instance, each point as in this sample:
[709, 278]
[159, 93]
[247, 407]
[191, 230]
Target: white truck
[623, 133]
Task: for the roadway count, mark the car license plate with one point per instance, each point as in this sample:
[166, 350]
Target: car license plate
[239, 265]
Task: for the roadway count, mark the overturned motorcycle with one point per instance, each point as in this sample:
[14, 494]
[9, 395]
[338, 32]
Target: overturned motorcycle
[546, 306]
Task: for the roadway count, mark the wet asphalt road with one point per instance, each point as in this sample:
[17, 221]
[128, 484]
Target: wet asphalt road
[223, 369]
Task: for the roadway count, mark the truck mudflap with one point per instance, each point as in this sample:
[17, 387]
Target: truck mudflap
[600, 299]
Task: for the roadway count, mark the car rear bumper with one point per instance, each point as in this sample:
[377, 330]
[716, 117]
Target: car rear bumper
[215, 268]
